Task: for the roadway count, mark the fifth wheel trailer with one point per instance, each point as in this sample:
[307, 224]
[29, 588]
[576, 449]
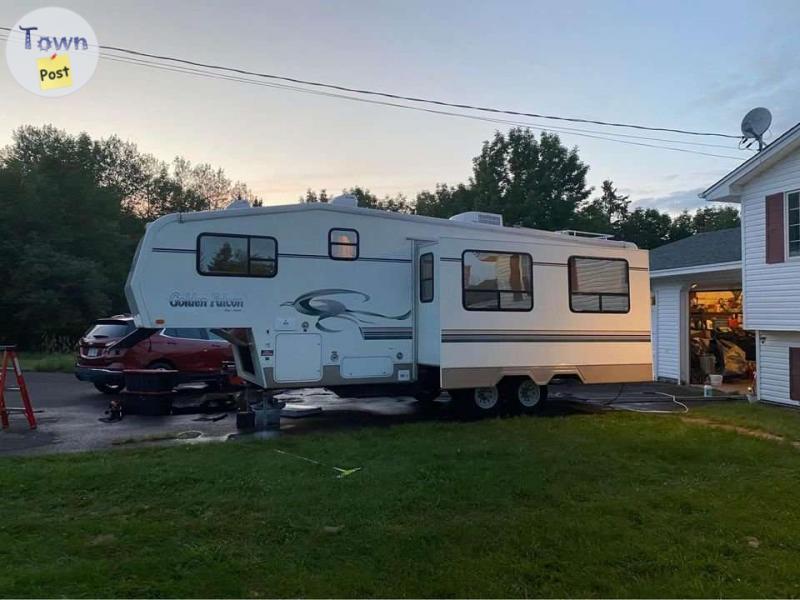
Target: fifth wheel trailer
[364, 301]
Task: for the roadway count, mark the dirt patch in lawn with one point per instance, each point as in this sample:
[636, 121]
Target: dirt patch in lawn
[747, 431]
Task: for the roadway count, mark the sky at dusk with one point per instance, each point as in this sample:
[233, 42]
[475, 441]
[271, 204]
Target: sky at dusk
[691, 65]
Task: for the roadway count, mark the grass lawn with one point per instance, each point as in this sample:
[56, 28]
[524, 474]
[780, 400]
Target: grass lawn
[616, 504]
[43, 361]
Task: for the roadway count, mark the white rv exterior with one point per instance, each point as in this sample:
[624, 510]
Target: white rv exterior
[335, 296]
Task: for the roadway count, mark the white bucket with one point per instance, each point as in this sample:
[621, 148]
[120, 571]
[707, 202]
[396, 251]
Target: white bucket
[715, 380]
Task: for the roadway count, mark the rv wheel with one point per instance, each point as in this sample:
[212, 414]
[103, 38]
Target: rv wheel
[483, 401]
[525, 395]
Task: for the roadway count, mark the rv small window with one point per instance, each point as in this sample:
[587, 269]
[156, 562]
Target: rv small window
[500, 281]
[598, 285]
[343, 244]
[426, 277]
[237, 255]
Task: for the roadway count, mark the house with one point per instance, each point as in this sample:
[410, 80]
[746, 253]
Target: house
[696, 300]
[767, 187]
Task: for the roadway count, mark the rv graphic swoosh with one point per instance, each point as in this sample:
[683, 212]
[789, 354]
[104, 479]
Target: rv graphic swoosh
[315, 304]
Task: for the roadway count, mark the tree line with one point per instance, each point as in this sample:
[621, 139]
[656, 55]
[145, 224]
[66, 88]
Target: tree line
[73, 208]
[540, 183]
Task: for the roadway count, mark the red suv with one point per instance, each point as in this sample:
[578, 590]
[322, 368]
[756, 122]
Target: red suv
[198, 354]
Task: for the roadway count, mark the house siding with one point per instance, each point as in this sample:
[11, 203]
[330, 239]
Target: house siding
[773, 366]
[771, 291]
[667, 331]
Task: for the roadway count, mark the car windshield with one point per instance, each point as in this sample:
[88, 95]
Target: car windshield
[110, 330]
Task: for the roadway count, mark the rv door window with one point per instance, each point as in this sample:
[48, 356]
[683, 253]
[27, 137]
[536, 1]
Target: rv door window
[598, 285]
[500, 281]
[237, 255]
[343, 244]
[426, 277]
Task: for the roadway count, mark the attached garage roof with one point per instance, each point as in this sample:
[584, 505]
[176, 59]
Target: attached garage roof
[714, 247]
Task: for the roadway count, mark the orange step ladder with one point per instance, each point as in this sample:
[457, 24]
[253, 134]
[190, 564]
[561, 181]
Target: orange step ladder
[11, 363]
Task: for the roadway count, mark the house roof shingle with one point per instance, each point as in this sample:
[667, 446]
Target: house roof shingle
[708, 248]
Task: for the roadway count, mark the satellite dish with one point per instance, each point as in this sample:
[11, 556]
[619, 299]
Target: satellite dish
[755, 124]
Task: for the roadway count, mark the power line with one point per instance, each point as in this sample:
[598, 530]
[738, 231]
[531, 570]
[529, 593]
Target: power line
[540, 127]
[342, 88]
[567, 131]
[189, 70]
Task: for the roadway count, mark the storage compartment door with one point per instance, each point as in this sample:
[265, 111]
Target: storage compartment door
[298, 357]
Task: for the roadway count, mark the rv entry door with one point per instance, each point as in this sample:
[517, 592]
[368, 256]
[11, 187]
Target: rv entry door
[426, 304]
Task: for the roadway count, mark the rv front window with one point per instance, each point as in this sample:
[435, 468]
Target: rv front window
[501, 281]
[263, 257]
[343, 244]
[598, 285]
[237, 255]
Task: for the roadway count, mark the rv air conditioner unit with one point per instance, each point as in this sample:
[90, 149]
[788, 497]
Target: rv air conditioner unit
[346, 200]
[478, 217]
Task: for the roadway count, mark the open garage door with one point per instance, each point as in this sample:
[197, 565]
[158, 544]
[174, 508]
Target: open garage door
[718, 344]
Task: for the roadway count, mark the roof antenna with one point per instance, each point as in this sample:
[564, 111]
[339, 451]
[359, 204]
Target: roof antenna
[755, 124]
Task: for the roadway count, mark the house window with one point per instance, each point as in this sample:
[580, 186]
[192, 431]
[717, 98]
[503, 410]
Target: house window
[343, 244]
[500, 281]
[793, 221]
[235, 255]
[426, 277]
[598, 285]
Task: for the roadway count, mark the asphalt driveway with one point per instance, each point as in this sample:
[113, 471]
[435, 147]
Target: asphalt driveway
[70, 413]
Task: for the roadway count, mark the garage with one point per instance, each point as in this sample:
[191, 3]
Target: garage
[698, 326]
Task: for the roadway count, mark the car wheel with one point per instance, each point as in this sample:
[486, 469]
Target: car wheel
[525, 395]
[108, 388]
[479, 402]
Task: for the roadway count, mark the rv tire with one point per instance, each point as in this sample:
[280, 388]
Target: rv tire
[524, 395]
[479, 402]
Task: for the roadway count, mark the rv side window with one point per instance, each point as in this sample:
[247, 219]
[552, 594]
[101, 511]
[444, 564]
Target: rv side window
[343, 244]
[426, 277]
[497, 281]
[598, 285]
[237, 255]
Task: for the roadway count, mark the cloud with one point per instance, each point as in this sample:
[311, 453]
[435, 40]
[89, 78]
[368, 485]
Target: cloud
[675, 202]
[768, 80]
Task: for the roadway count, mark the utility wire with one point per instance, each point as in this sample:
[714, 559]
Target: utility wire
[540, 127]
[342, 88]
[567, 131]
[189, 70]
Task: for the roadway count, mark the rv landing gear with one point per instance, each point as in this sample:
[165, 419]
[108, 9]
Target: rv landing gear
[523, 395]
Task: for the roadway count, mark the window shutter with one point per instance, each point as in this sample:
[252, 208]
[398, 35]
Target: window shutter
[794, 373]
[774, 229]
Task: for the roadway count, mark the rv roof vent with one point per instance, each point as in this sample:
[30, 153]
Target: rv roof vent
[238, 203]
[478, 217]
[586, 234]
[346, 200]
